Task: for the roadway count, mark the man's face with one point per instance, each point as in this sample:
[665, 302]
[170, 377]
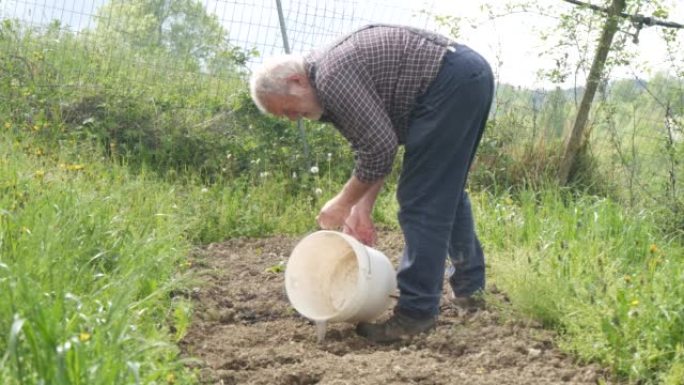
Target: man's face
[300, 103]
[287, 106]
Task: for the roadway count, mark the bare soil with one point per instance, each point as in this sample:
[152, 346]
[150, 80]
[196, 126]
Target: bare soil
[244, 331]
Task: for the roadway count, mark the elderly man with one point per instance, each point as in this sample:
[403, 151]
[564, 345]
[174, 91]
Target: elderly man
[383, 86]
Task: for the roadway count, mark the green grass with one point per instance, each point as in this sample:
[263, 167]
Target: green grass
[599, 274]
[89, 253]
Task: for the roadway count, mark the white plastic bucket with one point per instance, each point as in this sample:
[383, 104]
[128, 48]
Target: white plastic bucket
[330, 276]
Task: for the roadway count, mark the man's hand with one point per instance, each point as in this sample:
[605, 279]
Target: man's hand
[333, 214]
[360, 226]
[351, 210]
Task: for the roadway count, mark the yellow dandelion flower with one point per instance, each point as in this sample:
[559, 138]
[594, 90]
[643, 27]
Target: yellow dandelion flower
[634, 303]
[84, 336]
[171, 378]
[8, 125]
[653, 249]
[39, 174]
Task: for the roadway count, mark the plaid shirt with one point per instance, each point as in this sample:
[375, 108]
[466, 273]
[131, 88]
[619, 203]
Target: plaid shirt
[367, 83]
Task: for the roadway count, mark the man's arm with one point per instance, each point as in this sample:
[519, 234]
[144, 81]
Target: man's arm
[359, 114]
[367, 201]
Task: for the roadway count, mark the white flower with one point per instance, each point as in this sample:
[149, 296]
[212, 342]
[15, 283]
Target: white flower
[318, 191]
[66, 346]
[314, 170]
[294, 175]
[264, 174]
[204, 190]
[63, 348]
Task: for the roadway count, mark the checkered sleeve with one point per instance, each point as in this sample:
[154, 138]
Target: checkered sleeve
[363, 121]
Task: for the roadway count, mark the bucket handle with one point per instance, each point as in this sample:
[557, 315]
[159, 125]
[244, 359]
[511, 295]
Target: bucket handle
[368, 274]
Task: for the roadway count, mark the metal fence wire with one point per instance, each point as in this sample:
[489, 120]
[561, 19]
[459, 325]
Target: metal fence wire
[253, 29]
[253, 26]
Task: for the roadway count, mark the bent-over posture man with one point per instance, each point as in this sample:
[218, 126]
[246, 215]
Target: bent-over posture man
[383, 86]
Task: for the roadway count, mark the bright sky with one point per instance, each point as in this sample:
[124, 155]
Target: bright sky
[513, 39]
[516, 40]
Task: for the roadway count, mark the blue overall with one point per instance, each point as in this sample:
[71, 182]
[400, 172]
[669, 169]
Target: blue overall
[434, 210]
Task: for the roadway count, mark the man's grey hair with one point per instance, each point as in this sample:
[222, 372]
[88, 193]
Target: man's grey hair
[271, 77]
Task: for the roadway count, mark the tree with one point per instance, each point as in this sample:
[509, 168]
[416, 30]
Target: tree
[626, 91]
[576, 143]
[182, 28]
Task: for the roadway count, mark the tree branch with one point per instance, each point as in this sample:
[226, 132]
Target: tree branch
[638, 18]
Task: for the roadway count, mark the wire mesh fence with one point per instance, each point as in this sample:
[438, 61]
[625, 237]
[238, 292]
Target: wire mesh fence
[206, 48]
[252, 26]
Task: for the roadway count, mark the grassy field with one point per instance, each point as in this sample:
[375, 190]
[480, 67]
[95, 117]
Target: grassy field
[602, 276]
[90, 253]
[107, 186]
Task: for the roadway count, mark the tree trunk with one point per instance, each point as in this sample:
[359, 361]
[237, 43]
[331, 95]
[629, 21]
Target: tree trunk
[574, 142]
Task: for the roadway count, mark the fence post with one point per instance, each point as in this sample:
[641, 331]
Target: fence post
[286, 45]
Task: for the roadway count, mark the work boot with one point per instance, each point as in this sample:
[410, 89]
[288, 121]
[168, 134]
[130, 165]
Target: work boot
[395, 328]
[470, 303]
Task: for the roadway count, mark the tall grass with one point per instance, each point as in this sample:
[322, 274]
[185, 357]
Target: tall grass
[89, 254]
[601, 275]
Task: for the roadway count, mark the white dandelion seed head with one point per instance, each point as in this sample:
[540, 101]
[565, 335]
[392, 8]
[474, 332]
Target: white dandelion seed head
[314, 170]
[63, 347]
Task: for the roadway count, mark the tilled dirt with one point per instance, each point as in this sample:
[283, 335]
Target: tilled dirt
[244, 331]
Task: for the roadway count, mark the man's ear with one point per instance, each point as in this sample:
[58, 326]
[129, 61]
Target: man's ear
[298, 80]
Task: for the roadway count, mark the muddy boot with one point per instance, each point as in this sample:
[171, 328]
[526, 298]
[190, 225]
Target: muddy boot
[471, 303]
[395, 328]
